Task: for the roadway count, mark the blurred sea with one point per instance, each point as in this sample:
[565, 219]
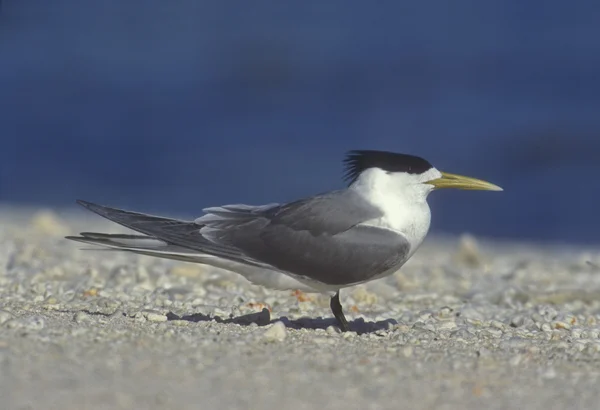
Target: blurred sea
[171, 106]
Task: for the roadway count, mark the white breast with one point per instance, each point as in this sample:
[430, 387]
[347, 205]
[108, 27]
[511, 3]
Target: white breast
[403, 200]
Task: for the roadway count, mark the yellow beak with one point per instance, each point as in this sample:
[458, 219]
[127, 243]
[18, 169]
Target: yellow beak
[461, 182]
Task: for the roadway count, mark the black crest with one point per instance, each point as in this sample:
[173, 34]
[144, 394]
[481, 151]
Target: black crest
[360, 160]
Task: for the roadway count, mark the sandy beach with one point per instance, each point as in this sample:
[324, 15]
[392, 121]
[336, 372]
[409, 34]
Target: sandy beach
[468, 323]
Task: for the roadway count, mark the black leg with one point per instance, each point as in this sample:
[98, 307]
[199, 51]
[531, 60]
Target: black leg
[336, 308]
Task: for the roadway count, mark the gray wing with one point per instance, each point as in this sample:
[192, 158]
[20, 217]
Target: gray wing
[319, 238]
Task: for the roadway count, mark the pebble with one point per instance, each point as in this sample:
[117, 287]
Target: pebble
[557, 324]
[425, 316]
[183, 323]
[576, 332]
[321, 340]
[407, 351]
[156, 317]
[5, 316]
[468, 252]
[517, 321]
[462, 333]
[28, 323]
[516, 360]
[469, 313]
[447, 325]
[363, 296]
[81, 317]
[550, 373]
[556, 335]
[497, 324]
[495, 333]
[276, 333]
[445, 312]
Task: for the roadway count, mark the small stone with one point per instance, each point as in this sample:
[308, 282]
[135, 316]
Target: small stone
[445, 312]
[468, 252]
[468, 312]
[276, 333]
[576, 332]
[156, 317]
[217, 311]
[81, 317]
[484, 353]
[322, 340]
[30, 323]
[5, 316]
[593, 347]
[495, 333]
[549, 374]
[516, 360]
[474, 322]
[568, 318]
[332, 330]
[557, 324]
[447, 325]
[362, 295]
[548, 312]
[537, 318]
[462, 333]
[349, 335]
[425, 315]
[517, 321]
[407, 351]
[579, 345]
[497, 324]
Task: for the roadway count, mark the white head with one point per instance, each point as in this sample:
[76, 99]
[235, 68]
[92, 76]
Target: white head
[399, 185]
[403, 177]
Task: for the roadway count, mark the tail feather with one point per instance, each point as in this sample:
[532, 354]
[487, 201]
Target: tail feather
[121, 240]
[143, 245]
[143, 223]
[185, 234]
[165, 236]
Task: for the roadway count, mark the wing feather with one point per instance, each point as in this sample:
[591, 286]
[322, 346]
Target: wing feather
[319, 238]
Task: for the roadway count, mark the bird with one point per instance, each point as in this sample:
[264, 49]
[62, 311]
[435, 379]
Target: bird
[318, 244]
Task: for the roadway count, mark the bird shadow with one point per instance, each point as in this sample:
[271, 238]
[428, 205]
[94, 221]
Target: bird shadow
[263, 318]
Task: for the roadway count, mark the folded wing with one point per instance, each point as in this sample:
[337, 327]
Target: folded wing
[320, 238]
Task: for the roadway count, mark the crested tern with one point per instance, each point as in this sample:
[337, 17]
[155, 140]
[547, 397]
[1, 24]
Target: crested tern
[318, 244]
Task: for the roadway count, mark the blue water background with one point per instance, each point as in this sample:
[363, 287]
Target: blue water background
[171, 106]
